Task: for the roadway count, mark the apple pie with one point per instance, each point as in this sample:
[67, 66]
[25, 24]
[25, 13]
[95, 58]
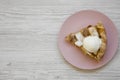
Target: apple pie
[91, 40]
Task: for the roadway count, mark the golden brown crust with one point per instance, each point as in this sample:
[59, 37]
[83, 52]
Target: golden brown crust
[102, 34]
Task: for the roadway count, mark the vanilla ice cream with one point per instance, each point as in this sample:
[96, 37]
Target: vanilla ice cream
[92, 43]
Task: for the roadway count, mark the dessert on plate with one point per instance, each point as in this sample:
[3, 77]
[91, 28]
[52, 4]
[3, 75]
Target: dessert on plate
[91, 40]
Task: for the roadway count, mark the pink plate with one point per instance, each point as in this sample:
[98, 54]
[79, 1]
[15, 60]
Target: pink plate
[77, 21]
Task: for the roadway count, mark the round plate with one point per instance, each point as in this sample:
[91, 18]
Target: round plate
[80, 20]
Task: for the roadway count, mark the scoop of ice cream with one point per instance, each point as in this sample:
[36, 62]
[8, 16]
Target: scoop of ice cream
[92, 43]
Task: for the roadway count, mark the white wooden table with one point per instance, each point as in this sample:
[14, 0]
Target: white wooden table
[28, 39]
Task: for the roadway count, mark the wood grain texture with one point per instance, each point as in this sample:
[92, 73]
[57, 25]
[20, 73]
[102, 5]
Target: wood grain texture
[28, 39]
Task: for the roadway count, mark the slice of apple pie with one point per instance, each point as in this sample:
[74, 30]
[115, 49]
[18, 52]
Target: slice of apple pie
[91, 40]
